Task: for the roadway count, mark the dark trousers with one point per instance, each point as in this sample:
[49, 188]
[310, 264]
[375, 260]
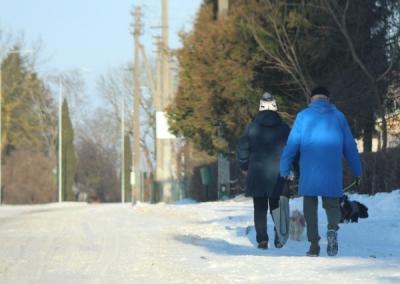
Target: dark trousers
[310, 207]
[260, 215]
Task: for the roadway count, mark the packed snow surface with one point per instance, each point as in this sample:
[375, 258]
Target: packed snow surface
[189, 242]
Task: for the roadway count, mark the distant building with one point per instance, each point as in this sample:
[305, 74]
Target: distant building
[393, 129]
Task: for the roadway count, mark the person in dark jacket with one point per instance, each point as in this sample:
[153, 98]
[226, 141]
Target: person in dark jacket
[322, 137]
[258, 153]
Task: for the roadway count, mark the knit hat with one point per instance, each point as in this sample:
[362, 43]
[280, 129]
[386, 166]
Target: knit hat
[320, 91]
[267, 102]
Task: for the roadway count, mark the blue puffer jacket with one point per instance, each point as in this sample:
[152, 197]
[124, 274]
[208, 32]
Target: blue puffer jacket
[322, 136]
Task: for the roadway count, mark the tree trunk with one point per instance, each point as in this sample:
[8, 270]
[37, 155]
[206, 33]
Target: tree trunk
[384, 131]
[368, 133]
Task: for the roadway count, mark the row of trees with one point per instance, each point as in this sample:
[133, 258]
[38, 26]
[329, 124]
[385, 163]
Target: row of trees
[30, 136]
[91, 151]
[287, 47]
[91, 138]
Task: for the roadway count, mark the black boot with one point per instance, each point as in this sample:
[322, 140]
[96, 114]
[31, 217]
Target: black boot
[314, 250]
[277, 241]
[263, 245]
[332, 248]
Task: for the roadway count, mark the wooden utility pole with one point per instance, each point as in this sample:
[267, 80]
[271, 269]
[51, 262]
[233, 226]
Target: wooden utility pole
[166, 95]
[161, 89]
[157, 96]
[224, 176]
[60, 169]
[122, 150]
[159, 107]
[223, 6]
[165, 143]
[135, 172]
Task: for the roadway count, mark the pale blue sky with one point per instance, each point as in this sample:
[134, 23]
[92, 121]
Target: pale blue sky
[94, 34]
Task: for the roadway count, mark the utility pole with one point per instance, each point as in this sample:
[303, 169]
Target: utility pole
[137, 30]
[122, 150]
[1, 137]
[158, 101]
[223, 6]
[165, 143]
[160, 86]
[165, 55]
[60, 98]
[224, 176]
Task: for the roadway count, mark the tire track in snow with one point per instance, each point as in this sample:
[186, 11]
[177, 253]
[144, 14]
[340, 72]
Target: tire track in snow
[49, 254]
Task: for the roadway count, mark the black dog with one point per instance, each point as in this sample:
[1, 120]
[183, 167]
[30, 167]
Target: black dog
[352, 210]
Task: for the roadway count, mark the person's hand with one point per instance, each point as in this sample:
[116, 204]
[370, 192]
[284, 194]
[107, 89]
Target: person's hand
[290, 177]
[244, 173]
[287, 178]
[357, 180]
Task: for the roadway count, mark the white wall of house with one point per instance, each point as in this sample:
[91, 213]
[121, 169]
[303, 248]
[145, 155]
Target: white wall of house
[393, 139]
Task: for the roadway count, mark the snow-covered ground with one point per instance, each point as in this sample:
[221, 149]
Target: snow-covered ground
[188, 242]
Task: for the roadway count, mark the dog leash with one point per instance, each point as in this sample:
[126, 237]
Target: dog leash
[349, 186]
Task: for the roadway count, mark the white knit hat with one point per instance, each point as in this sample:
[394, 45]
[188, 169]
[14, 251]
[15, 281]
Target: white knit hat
[267, 102]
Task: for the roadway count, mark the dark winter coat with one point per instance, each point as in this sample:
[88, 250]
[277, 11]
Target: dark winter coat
[322, 137]
[259, 150]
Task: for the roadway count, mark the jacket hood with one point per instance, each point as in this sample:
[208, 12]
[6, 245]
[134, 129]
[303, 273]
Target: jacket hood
[322, 106]
[268, 118]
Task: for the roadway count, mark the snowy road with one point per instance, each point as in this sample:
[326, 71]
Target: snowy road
[189, 243]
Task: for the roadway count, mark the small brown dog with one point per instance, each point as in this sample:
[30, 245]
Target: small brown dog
[297, 225]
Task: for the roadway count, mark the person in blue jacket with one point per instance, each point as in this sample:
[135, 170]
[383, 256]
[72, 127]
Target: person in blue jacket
[320, 137]
[258, 152]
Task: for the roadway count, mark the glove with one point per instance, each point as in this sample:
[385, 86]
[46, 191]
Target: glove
[290, 177]
[357, 180]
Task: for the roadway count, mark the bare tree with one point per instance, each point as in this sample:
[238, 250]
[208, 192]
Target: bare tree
[73, 88]
[391, 26]
[284, 33]
[288, 31]
[6, 40]
[116, 88]
[97, 152]
[71, 85]
[44, 108]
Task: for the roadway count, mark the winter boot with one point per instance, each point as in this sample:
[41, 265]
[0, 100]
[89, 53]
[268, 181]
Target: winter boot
[332, 248]
[314, 250]
[263, 245]
[277, 241]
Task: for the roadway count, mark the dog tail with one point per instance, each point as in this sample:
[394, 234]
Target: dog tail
[363, 213]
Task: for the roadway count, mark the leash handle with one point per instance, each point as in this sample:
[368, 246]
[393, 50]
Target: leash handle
[349, 186]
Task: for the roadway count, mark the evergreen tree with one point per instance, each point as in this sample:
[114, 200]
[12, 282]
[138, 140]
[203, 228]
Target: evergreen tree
[28, 132]
[68, 155]
[25, 124]
[218, 88]
[287, 47]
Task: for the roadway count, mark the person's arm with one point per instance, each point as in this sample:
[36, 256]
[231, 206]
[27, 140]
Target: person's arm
[350, 151]
[291, 150]
[243, 151]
